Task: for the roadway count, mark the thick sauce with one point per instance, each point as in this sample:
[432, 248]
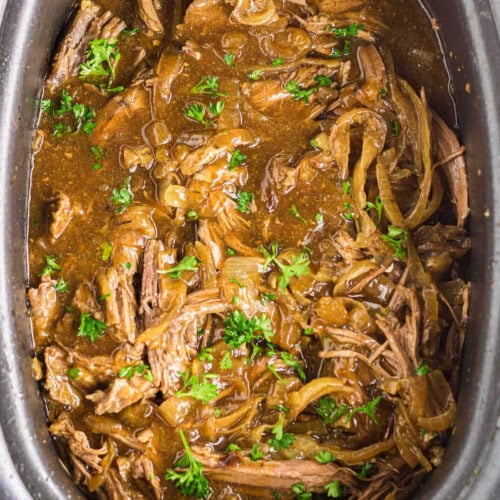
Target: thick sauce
[277, 156]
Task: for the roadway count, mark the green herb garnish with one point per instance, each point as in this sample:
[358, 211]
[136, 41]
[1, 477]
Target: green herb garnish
[100, 62]
[281, 440]
[202, 390]
[127, 372]
[396, 238]
[91, 327]
[377, 206]
[324, 457]
[188, 263]
[298, 93]
[292, 361]
[329, 411]
[122, 197]
[293, 210]
[208, 85]
[351, 30]
[368, 409]
[237, 158]
[229, 59]
[244, 201]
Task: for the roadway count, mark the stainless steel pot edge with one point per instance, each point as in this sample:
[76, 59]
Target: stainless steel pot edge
[28, 465]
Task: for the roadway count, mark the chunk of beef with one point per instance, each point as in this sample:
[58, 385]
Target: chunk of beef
[140, 156]
[150, 300]
[84, 300]
[122, 393]
[110, 427]
[171, 354]
[142, 468]
[57, 381]
[112, 119]
[119, 299]
[78, 442]
[148, 13]
[43, 308]
[272, 474]
[62, 213]
[87, 25]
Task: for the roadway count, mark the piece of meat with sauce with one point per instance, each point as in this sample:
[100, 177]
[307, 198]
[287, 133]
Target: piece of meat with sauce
[62, 213]
[43, 308]
[57, 381]
[142, 468]
[148, 13]
[272, 474]
[116, 288]
[87, 25]
[122, 393]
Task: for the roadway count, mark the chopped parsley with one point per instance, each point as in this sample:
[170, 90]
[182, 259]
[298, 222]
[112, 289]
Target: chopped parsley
[348, 214]
[344, 51]
[334, 490]
[197, 113]
[206, 354]
[319, 218]
[106, 249]
[266, 297]
[394, 128]
[281, 440]
[50, 265]
[229, 59]
[188, 263]
[122, 197]
[91, 327]
[347, 187]
[351, 30]
[293, 210]
[128, 372]
[256, 454]
[277, 62]
[377, 206]
[324, 457]
[255, 75]
[202, 390]
[396, 238]
[216, 108]
[240, 330]
[273, 370]
[193, 215]
[232, 447]
[190, 480]
[226, 363]
[368, 409]
[323, 80]
[208, 85]
[422, 369]
[244, 201]
[298, 267]
[364, 470]
[73, 373]
[237, 158]
[300, 492]
[292, 361]
[298, 93]
[62, 286]
[329, 410]
[100, 63]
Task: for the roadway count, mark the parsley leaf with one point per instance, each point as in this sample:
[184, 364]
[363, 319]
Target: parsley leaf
[226, 363]
[329, 411]
[319, 218]
[191, 481]
[324, 457]
[232, 447]
[323, 80]
[293, 210]
[298, 93]
[122, 197]
[237, 158]
[62, 286]
[290, 360]
[255, 75]
[216, 108]
[197, 113]
[364, 470]
[106, 249]
[396, 238]
[208, 85]
[100, 62]
[368, 409]
[377, 206]
[47, 106]
[273, 370]
[334, 490]
[127, 372]
[206, 355]
[351, 30]
[203, 390]
[73, 373]
[422, 369]
[229, 59]
[240, 330]
[277, 62]
[282, 440]
[300, 492]
[50, 265]
[188, 263]
[344, 51]
[256, 454]
[244, 201]
[394, 128]
[91, 327]
[298, 267]
[193, 215]
[347, 187]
